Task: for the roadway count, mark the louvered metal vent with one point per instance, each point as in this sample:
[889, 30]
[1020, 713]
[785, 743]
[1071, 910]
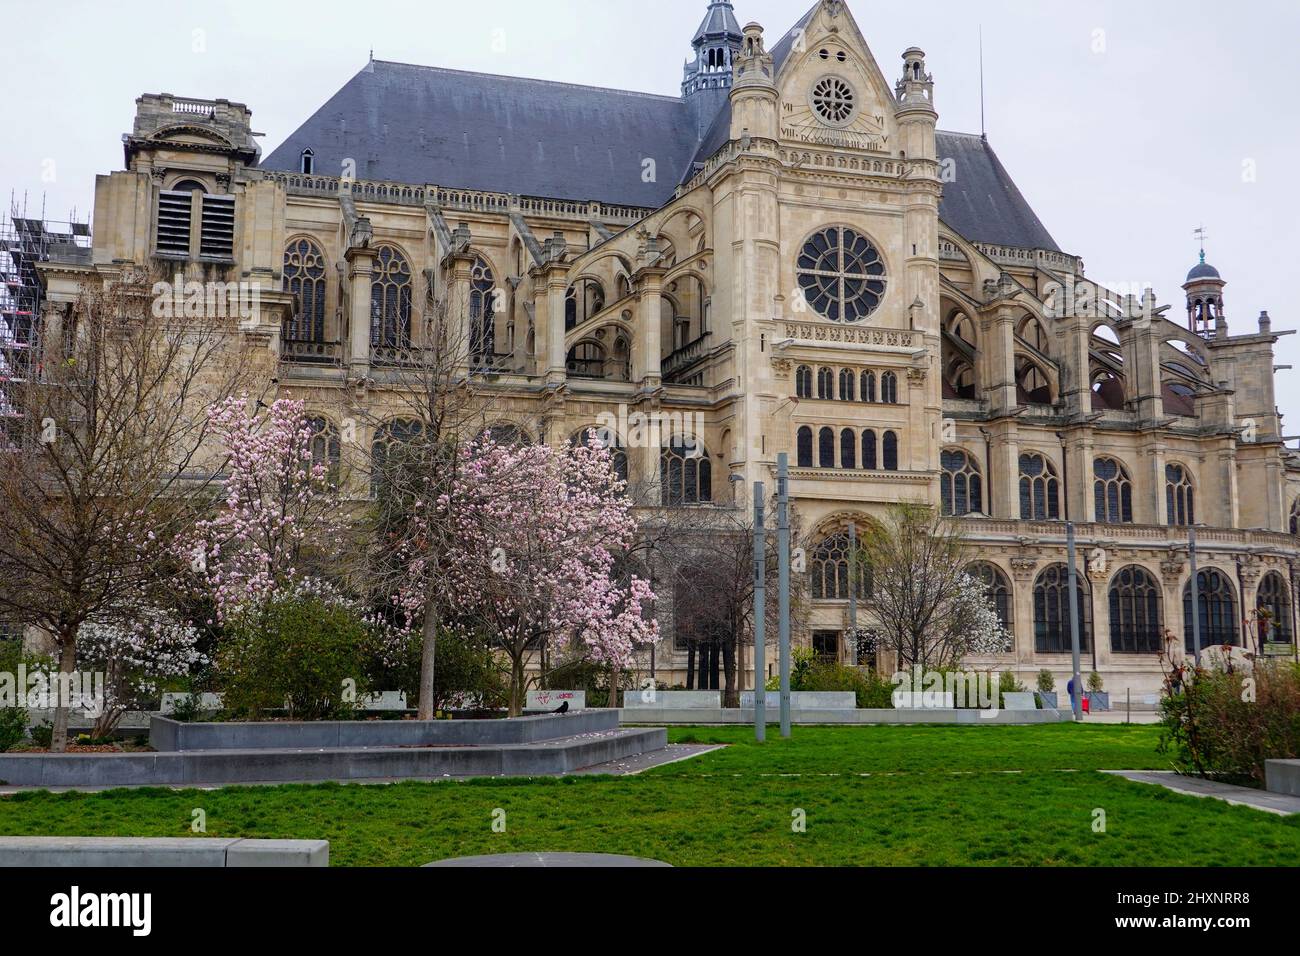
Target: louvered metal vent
[174, 223]
[217, 239]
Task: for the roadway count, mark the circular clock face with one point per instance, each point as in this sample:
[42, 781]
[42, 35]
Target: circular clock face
[834, 101]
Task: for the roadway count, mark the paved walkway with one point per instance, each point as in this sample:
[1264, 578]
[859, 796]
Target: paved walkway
[1278, 803]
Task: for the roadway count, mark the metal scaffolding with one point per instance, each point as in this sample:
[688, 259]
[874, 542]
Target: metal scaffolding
[25, 243]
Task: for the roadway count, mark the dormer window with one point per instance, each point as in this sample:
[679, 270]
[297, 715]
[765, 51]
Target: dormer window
[307, 162]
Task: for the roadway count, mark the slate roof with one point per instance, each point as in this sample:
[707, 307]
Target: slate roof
[719, 20]
[419, 124]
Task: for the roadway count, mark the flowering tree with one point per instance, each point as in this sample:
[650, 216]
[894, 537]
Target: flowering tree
[533, 556]
[134, 657]
[279, 506]
[932, 613]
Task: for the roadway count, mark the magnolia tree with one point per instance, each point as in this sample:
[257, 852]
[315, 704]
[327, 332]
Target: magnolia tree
[932, 614]
[279, 516]
[533, 555]
[135, 655]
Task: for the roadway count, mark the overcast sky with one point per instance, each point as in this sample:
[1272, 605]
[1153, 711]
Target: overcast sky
[1125, 123]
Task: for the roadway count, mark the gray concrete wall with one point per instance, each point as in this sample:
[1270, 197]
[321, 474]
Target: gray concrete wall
[167, 735]
[289, 765]
[176, 851]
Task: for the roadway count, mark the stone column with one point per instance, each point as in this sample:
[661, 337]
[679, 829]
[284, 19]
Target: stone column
[1023, 572]
[648, 283]
[360, 273]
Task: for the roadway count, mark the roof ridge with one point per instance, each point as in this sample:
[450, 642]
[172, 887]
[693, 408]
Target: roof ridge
[532, 79]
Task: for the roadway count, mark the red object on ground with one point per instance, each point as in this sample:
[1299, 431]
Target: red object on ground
[1085, 706]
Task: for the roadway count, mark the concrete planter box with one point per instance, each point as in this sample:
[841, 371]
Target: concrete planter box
[1098, 700]
[745, 717]
[1049, 698]
[218, 767]
[672, 699]
[168, 735]
[176, 851]
[804, 700]
[548, 700]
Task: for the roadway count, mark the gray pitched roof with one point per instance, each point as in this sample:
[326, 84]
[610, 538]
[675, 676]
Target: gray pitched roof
[419, 124]
[983, 203]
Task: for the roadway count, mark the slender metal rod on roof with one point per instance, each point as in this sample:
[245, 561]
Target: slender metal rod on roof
[983, 130]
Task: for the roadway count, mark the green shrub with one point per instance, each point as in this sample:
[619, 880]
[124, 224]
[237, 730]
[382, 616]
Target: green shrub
[1223, 723]
[1095, 683]
[13, 727]
[1007, 684]
[302, 654]
[1046, 682]
[808, 673]
[465, 670]
[43, 735]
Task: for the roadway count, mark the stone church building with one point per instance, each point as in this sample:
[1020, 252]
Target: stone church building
[793, 257]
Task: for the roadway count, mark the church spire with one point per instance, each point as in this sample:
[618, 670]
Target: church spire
[707, 81]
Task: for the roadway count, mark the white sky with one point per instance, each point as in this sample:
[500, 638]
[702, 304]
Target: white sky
[1125, 123]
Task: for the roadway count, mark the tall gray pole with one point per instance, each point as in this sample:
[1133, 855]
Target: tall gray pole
[1196, 595]
[783, 581]
[1074, 622]
[760, 617]
[853, 594]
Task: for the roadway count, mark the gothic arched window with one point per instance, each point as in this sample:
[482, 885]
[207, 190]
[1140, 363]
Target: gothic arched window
[869, 387]
[1052, 633]
[803, 382]
[1274, 605]
[841, 274]
[805, 447]
[825, 384]
[390, 450]
[1180, 496]
[1218, 611]
[1135, 623]
[960, 486]
[482, 310]
[390, 300]
[848, 449]
[891, 451]
[847, 382]
[998, 589]
[685, 474]
[870, 457]
[1039, 489]
[1112, 491]
[304, 278]
[826, 448]
[610, 439]
[889, 388]
[830, 570]
[326, 448]
[306, 162]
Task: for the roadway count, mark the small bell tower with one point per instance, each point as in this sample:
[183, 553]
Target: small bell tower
[1204, 287]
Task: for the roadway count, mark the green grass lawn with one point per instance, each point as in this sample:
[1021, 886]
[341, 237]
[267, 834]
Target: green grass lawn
[872, 796]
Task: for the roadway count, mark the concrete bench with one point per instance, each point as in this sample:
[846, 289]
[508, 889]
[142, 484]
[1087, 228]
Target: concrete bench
[1283, 776]
[804, 700]
[924, 700]
[168, 851]
[1019, 702]
[548, 700]
[672, 699]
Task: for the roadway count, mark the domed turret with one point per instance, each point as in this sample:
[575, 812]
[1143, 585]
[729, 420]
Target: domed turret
[1204, 288]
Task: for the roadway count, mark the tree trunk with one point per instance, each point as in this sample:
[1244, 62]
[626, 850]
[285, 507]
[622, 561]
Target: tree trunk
[516, 686]
[67, 664]
[731, 695]
[615, 674]
[428, 659]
